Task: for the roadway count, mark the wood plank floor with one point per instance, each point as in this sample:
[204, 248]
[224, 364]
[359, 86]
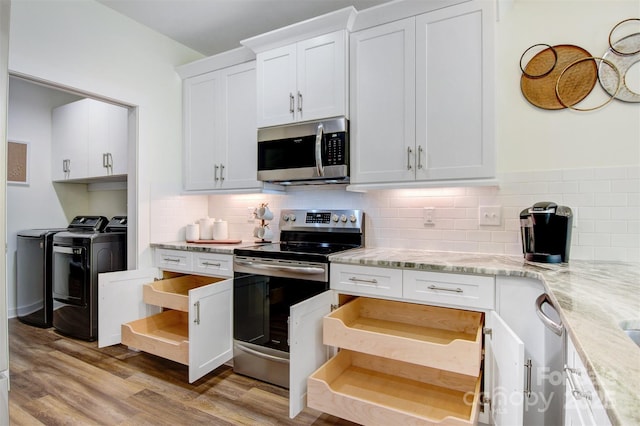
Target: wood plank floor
[56, 380]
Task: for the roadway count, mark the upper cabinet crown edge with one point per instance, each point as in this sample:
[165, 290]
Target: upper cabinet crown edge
[222, 60]
[338, 20]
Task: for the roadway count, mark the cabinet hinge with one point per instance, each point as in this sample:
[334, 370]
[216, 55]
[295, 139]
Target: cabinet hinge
[487, 331]
[334, 307]
[485, 400]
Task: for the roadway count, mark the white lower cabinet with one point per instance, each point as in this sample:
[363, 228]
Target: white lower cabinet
[407, 362]
[195, 327]
[582, 406]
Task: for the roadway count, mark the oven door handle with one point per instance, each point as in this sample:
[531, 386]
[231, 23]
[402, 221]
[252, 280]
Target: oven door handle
[306, 270]
[261, 355]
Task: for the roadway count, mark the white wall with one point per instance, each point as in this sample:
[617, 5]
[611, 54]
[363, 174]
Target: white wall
[89, 47]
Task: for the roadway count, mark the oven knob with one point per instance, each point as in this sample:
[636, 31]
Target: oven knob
[335, 218]
[352, 218]
[292, 217]
[343, 218]
[285, 217]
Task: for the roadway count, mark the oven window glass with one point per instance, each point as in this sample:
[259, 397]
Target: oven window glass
[261, 307]
[70, 274]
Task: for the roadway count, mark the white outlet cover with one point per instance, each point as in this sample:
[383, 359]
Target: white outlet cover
[428, 214]
[490, 215]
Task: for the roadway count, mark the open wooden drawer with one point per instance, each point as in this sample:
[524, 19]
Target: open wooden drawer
[165, 334]
[173, 293]
[373, 390]
[443, 338]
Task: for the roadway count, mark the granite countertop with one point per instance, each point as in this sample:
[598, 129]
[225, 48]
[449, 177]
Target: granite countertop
[209, 248]
[592, 297]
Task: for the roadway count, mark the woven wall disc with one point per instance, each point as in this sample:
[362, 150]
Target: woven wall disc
[576, 83]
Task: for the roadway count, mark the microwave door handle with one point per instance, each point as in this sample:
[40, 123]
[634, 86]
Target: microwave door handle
[319, 135]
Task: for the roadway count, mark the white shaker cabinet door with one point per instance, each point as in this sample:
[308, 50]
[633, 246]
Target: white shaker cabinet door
[201, 130]
[382, 103]
[238, 151]
[454, 93]
[276, 89]
[321, 77]
[210, 327]
[307, 351]
[506, 354]
[120, 301]
[69, 141]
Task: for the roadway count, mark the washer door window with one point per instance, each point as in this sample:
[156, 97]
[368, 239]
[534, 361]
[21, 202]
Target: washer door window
[70, 275]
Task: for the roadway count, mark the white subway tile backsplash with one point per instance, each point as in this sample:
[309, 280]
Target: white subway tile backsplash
[606, 202]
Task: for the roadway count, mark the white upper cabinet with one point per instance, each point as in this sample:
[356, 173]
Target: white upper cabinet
[303, 81]
[220, 134]
[302, 70]
[422, 98]
[89, 140]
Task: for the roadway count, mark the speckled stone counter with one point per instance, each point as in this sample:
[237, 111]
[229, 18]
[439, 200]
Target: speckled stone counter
[208, 248]
[593, 298]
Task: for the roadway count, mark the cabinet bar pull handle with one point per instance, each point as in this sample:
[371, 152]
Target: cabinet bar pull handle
[171, 259]
[221, 172]
[577, 393]
[409, 151]
[548, 322]
[197, 318]
[211, 264]
[291, 102]
[110, 162]
[529, 366]
[299, 101]
[105, 162]
[420, 150]
[215, 173]
[453, 290]
[372, 281]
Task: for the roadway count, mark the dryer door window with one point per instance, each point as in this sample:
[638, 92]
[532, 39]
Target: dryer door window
[70, 275]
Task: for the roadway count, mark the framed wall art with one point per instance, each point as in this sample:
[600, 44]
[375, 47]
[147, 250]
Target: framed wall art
[18, 163]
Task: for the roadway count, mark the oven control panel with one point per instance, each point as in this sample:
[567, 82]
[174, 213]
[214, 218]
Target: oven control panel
[322, 219]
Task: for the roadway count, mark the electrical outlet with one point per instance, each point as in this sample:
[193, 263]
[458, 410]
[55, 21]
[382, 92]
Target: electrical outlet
[428, 214]
[490, 215]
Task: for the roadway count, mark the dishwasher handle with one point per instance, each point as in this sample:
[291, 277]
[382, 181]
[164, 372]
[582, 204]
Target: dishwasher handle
[548, 322]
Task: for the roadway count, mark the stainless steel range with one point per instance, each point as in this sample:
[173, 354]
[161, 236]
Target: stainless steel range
[270, 279]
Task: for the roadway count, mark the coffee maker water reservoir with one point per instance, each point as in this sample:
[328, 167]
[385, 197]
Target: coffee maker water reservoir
[546, 232]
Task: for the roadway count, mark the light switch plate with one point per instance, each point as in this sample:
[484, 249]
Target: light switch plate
[490, 215]
[428, 215]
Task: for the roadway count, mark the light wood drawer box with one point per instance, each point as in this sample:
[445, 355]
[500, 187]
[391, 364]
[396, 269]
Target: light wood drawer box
[173, 293]
[366, 280]
[165, 334]
[213, 264]
[372, 390]
[443, 338]
[468, 291]
[174, 260]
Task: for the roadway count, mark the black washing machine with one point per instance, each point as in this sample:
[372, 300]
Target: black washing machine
[33, 276]
[90, 246]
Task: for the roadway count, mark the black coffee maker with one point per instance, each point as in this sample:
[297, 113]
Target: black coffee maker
[546, 232]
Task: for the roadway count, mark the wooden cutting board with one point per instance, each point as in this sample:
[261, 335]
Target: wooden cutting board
[574, 86]
[215, 242]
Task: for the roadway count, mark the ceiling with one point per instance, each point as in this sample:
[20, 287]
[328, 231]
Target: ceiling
[214, 26]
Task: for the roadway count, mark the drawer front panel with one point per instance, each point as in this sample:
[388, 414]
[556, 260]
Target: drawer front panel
[174, 260]
[213, 264]
[366, 280]
[468, 291]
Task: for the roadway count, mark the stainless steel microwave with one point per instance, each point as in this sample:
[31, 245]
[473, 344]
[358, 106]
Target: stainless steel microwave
[314, 152]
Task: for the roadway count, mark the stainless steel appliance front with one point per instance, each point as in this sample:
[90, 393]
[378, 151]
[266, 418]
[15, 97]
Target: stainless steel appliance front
[307, 153]
[264, 291]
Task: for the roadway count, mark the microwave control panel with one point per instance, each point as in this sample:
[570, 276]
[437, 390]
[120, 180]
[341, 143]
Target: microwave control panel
[335, 148]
